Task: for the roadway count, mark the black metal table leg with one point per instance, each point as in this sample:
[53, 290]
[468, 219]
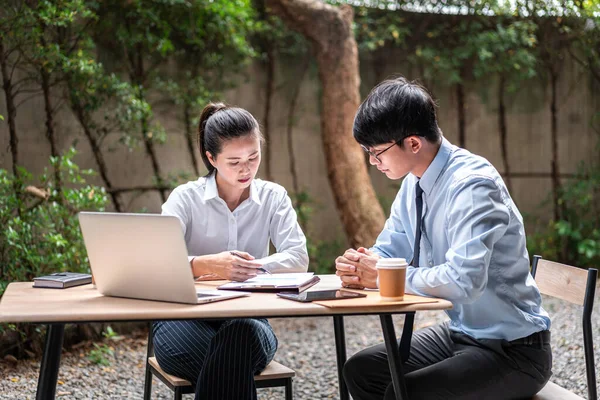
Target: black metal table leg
[50, 362]
[148, 375]
[409, 321]
[340, 350]
[391, 345]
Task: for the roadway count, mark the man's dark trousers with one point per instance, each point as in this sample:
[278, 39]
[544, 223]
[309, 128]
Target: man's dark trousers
[444, 365]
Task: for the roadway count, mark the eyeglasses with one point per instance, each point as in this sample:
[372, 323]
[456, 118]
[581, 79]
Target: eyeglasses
[376, 155]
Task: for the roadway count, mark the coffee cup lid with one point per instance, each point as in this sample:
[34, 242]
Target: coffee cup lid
[391, 262]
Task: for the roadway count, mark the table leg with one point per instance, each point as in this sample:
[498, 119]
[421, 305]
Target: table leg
[391, 345]
[50, 362]
[409, 321]
[149, 353]
[340, 349]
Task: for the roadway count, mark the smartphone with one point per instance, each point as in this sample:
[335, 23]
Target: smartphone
[317, 295]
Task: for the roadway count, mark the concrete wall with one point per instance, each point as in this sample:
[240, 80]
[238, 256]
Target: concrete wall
[528, 123]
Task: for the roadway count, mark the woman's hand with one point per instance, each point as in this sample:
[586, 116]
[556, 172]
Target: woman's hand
[356, 268]
[232, 265]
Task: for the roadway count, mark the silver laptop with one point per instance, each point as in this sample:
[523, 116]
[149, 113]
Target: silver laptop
[142, 256]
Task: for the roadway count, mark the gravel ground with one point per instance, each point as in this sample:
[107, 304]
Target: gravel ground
[306, 345]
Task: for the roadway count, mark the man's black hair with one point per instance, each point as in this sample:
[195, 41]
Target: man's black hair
[394, 110]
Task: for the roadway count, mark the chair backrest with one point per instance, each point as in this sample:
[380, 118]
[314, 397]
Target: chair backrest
[577, 286]
[560, 280]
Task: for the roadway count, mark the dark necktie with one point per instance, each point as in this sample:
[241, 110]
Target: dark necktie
[419, 202]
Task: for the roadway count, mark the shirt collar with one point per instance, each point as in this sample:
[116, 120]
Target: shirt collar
[254, 193]
[434, 170]
[211, 191]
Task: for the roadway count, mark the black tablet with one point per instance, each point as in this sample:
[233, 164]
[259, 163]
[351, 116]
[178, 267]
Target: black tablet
[318, 295]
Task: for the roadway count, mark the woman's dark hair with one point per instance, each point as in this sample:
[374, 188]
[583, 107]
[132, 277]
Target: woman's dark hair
[394, 110]
[219, 123]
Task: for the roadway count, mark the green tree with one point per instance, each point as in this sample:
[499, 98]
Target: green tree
[329, 29]
[28, 61]
[102, 104]
[52, 23]
[138, 35]
[505, 51]
[211, 44]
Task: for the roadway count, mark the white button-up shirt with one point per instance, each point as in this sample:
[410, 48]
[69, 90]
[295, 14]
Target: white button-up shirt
[209, 226]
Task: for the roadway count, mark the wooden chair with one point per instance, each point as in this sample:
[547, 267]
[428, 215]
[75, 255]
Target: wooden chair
[274, 375]
[577, 286]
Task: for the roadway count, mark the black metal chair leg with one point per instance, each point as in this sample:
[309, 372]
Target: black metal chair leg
[289, 390]
[340, 348]
[588, 344]
[177, 395]
[148, 380]
[46, 388]
[148, 383]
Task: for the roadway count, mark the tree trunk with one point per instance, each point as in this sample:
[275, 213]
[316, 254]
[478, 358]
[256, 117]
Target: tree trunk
[95, 145]
[302, 218]
[10, 109]
[50, 133]
[269, 90]
[559, 207]
[189, 138]
[378, 63]
[138, 77]
[149, 145]
[329, 29]
[460, 105]
[267, 48]
[11, 116]
[503, 133]
[554, 136]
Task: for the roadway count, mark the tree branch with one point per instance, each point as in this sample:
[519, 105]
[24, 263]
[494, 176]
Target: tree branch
[12, 71]
[79, 36]
[37, 192]
[585, 65]
[152, 67]
[58, 105]
[25, 100]
[323, 18]
[41, 195]
[26, 91]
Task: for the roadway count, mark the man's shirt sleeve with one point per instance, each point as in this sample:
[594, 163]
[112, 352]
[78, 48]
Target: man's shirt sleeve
[477, 217]
[393, 241]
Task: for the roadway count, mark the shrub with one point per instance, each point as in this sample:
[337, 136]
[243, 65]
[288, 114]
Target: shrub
[41, 235]
[40, 232]
[575, 238]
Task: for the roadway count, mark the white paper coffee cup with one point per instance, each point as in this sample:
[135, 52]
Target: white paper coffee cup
[391, 278]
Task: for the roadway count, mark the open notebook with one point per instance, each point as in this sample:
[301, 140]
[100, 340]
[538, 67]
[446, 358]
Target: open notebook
[292, 282]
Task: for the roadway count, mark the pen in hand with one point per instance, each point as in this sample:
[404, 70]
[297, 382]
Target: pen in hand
[233, 253]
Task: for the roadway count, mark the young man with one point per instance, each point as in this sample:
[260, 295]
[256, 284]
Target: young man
[454, 218]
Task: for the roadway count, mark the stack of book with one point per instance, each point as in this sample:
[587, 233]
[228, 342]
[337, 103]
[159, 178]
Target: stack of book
[62, 280]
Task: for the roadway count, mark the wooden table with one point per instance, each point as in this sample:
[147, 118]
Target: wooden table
[83, 304]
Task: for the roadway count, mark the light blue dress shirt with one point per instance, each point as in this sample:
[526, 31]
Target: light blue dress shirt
[473, 250]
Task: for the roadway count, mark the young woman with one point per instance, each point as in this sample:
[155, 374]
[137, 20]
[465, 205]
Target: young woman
[228, 219]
